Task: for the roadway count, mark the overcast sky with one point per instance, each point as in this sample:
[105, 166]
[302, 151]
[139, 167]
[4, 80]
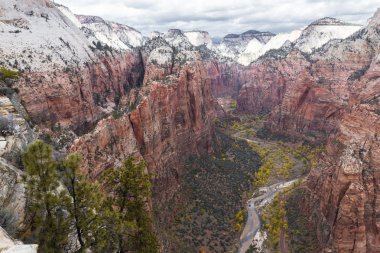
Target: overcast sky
[220, 17]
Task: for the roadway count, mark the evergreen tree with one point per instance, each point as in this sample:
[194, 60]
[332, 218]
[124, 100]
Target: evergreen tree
[129, 190]
[118, 223]
[47, 218]
[87, 214]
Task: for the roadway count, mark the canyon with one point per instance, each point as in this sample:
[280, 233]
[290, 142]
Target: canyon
[102, 89]
[332, 97]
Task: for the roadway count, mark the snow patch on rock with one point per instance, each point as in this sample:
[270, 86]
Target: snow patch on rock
[322, 31]
[243, 47]
[71, 16]
[156, 34]
[161, 56]
[35, 35]
[251, 52]
[199, 38]
[254, 50]
[113, 34]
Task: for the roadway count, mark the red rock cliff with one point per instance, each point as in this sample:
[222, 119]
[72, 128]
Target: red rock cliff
[76, 97]
[331, 95]
[174, 119]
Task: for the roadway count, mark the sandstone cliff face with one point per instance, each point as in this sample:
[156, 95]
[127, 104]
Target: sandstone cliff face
[346, 183]
[226, 78]
[77, 97]
[331, 95]
[174, 119]
[67, 78]
[266, 82]
[305, 95]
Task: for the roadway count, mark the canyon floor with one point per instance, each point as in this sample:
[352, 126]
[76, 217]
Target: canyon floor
[222, 200]
[289, 162]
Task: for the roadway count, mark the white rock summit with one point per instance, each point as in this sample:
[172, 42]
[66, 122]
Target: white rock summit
[306, 40]
[199, 38]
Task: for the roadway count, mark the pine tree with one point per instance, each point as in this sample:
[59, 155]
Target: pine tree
[129, 191]
[47, 219]
[118, 223]
[86, 209]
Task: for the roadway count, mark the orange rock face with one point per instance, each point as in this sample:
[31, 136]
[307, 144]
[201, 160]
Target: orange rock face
[331, 96]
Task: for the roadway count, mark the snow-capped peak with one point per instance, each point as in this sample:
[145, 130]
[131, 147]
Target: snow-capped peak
[71, 16]
[115, 35]
[247, 43]
[112, 34]
[306, 40]
[37, 36]
[176, 38]
[199, 38]
[84, 19]
[253, 51]
[322, 31]
[263, 37]
[374, 21]
[329, 21]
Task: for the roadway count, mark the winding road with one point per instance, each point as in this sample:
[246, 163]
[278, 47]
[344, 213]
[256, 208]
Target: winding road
[253, 223]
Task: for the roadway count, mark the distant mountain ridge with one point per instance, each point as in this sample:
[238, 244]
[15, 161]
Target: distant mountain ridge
[243, 48]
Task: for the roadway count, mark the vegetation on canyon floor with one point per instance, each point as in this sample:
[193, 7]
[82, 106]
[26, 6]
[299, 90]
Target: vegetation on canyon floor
[274, 221]
[64, 207]
[302, 237]
[214, 189]
[282, 159]
[240, 217]
[284, 217]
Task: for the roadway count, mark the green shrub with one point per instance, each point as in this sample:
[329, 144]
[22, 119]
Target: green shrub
[7, 73]
[233, 104]
[274, 221]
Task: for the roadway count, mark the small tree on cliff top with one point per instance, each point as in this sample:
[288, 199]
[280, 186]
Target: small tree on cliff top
[47, 218]
[118, 223]
[129, 189]
[86, 208]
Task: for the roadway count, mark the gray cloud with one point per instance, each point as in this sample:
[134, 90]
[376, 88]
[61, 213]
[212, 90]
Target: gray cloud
[221, 17]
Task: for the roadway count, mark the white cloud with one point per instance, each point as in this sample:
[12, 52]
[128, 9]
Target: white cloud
[222, 17]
